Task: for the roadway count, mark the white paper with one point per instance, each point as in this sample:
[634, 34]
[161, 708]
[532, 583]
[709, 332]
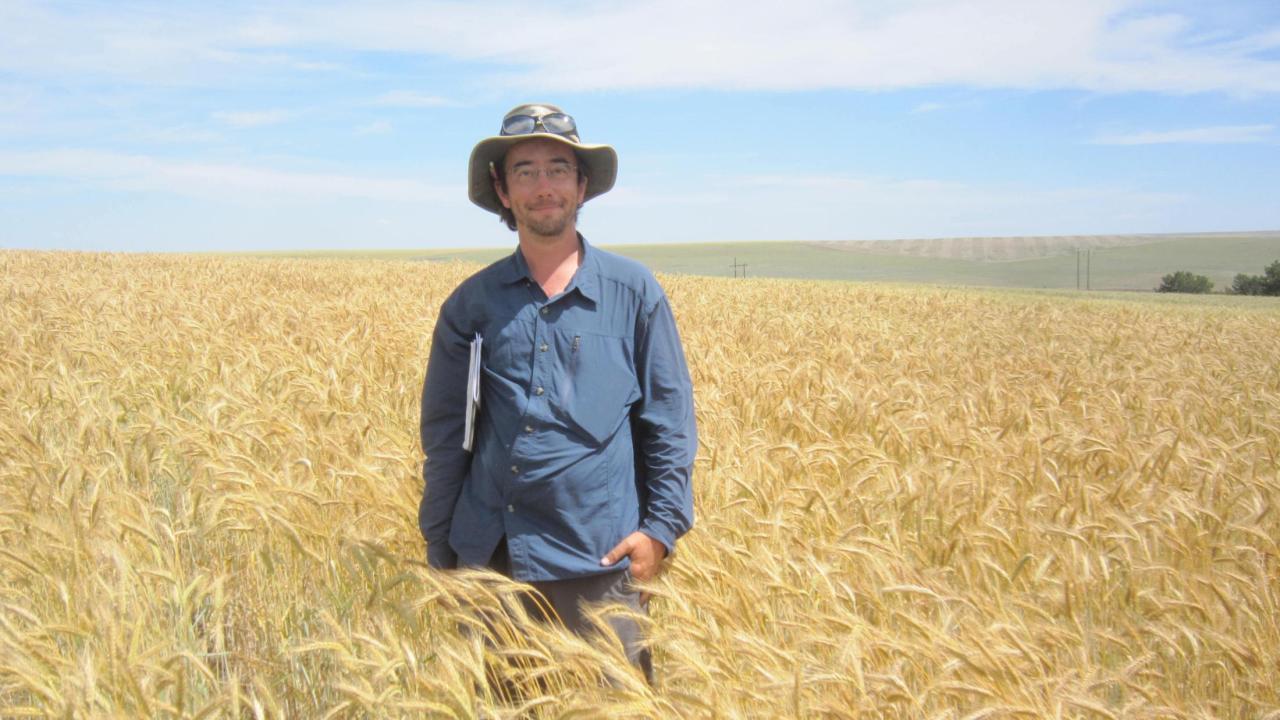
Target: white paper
[473, 395]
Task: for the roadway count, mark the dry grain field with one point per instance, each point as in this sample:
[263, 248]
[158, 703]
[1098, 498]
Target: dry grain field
[912, 503]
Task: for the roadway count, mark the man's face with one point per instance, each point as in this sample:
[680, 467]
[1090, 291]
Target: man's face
[542, 204]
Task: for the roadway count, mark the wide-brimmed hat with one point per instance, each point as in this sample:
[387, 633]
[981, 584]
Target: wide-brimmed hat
[542, 121]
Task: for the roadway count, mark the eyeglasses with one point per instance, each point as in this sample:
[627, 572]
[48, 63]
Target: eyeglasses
[557, 173]
[556, 123]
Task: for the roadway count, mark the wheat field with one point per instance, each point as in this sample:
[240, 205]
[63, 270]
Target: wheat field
[912, 503]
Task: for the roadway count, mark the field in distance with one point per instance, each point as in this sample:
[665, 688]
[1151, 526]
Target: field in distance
[912, 502]
[1116, 262]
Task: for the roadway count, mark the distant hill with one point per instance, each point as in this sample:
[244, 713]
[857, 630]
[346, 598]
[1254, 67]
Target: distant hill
[1100, 262]
[1104, 262]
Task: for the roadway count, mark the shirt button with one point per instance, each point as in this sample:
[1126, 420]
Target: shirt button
[544, 311]
[515, 469]
[511, 508]
[537, 391]
[528, 428]
[543, 347]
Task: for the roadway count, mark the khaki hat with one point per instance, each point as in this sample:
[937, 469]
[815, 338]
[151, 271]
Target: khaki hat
[537, 120]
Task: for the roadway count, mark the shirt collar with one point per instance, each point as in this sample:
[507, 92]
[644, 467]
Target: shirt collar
[586, 280]
[515, 269]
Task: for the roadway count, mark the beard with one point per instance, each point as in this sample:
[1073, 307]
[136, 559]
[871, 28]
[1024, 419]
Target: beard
[552, 225]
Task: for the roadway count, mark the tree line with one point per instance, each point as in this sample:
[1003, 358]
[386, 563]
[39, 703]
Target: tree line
[1183, 281]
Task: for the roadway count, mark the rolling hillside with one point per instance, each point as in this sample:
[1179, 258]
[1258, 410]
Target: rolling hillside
[1114, 262]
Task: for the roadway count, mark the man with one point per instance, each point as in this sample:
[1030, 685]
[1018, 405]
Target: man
[579, 477]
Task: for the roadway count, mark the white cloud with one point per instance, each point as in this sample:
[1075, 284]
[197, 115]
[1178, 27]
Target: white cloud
[1101, 45]
[181, 134]
[253, 118]
[1220, 134]
[377, 127]
[915, 193]
[642, 198]
[120, 171]
[14, 98]
[409, 98]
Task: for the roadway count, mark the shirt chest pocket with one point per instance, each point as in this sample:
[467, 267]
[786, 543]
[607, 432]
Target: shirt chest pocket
[507, 343]
[597, 383]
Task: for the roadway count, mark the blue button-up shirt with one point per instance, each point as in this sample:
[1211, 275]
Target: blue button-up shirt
[586, 429]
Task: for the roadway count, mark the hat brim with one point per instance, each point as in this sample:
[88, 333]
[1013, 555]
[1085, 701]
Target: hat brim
[601, 162]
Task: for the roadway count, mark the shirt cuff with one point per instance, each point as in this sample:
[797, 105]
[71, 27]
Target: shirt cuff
[667, 539]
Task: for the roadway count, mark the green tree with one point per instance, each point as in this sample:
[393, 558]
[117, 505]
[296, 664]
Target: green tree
[1248, 284]
[1185, 282]
[1266, 284]
[1271, 285]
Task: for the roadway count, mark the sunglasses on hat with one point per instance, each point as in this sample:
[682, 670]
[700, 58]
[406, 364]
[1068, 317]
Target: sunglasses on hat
[556, 123]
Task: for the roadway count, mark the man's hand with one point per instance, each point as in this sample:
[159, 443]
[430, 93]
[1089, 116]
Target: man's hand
[645, 554]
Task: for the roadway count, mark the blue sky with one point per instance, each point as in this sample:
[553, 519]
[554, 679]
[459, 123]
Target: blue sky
[178, 126]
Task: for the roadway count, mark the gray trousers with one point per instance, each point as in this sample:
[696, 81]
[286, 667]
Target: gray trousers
[569, 599]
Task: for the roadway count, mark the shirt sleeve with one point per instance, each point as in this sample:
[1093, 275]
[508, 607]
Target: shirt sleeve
[665, 431]
[443, 417]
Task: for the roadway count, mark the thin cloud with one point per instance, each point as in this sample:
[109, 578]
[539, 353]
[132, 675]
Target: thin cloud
[1217, 135]
[377, 127]
[249, 119]
[1092, 45]
[647, 198]
[1098, 45]
[119, 171]
[14, 98]
[181, 134]
[411, 99]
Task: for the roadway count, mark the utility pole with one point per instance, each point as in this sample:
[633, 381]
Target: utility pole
[1088, 269]
[737, 265]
